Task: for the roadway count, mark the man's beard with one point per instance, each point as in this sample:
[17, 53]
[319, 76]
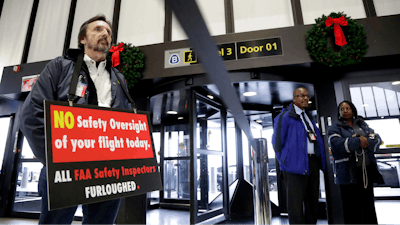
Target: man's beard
[102, 49]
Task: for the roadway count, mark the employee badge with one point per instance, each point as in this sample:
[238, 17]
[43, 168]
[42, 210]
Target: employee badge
[80, 87]
[311, 137]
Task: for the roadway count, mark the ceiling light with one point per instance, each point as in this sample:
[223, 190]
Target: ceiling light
[210, 96]
[365, 105]
[249, 93]
[309, 102]
[258, 121]
[172, 112]
[180, 118]
[395, 82]
[382, 117]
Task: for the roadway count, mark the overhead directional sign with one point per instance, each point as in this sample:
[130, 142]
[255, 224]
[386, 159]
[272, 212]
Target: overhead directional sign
[189, 56]
[259, 48]
[228, 51]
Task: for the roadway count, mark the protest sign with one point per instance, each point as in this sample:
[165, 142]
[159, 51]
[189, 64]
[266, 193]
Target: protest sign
[96, 154]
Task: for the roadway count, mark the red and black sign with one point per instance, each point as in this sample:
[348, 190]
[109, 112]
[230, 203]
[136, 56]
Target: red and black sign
[96, 154]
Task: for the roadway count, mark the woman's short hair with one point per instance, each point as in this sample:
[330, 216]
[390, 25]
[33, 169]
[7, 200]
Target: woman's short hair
[353, 108]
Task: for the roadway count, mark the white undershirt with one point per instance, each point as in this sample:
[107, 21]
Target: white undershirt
[101, 80]
[310, 146]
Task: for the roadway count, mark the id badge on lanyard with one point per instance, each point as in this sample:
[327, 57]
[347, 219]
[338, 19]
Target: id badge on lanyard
[80, 87]
[311, 137]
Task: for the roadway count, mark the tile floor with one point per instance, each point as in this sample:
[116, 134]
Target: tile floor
[387, 211]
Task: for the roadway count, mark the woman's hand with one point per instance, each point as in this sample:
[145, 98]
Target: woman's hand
[364, 142]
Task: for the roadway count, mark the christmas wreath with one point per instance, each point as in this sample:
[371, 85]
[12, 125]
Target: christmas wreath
[128, 60]
[349, 44]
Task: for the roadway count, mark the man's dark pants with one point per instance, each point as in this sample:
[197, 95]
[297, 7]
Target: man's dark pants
[302, 194]
[96, 213]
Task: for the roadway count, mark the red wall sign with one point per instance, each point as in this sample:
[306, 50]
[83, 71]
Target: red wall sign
[28, 82]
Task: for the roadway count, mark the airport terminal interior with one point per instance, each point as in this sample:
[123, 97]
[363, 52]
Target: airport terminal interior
[200, 145]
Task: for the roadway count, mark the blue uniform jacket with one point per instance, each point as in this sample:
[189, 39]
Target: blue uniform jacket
[53, 84]
[344, 144]
[290, 142]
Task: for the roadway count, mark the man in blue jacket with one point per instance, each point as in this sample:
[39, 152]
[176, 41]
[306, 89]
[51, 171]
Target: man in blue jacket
[300, 151]
[98, 85]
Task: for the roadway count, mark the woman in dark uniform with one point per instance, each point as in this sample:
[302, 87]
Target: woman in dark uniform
[353, 145]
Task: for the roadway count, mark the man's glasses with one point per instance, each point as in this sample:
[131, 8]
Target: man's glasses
[302, 96]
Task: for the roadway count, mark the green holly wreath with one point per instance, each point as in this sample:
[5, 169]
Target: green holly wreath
[128, 60]
[350, 40]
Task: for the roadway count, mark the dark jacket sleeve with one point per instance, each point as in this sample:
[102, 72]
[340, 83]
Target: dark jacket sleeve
[121, 99]
[373, 143]
[280, 132]
[31, 116]
[276, 144]
[342, 142]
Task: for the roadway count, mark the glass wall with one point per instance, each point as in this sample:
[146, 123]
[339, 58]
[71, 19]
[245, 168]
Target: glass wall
[387, 7]
[176, 179]
[252, 15]
[266, 132]
[4, 124]
[209, 163]
[26, 196]
[176, 162]
[213, 15]
[133, 29]
[314, 9]
[155, 195]
[376, 99]
[231, 150]
[209, 191]
[49, 31]
[379, 104]
[246, 158]
[15, 14]
[209, 119]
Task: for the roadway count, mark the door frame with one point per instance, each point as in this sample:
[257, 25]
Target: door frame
[194, 206]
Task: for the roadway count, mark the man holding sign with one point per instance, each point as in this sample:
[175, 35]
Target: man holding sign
[97, 85]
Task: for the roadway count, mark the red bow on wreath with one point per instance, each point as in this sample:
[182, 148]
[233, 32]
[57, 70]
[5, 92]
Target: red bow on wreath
[115, 56]
[339, 36]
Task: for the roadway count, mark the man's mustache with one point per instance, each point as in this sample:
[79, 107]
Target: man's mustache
[104, 39]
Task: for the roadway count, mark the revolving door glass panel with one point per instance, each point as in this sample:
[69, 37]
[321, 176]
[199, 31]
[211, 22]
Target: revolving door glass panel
[209, 184]
[231, 149]
[210, 158]
[176, 162]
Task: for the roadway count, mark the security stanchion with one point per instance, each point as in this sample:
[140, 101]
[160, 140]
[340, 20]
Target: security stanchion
[262, 204]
